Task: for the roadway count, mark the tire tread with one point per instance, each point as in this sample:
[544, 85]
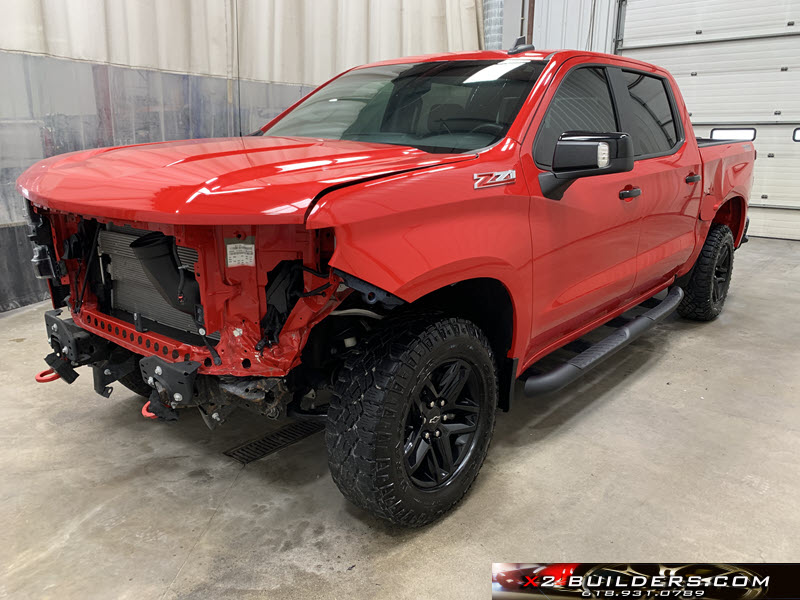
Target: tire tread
[373, 374]
[696, 304]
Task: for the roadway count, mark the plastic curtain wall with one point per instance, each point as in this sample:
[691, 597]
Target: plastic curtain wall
[81, 74]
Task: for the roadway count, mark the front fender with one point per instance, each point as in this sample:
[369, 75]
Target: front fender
[418, 232]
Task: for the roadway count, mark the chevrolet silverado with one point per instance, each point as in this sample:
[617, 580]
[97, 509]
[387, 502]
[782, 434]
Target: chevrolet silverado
[391, 253]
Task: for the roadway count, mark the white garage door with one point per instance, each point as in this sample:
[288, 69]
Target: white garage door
[737, 63]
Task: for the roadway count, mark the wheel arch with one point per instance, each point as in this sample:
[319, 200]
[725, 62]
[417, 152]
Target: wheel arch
[471, 286]
[483, 300]
[487, 302]
[733, 213]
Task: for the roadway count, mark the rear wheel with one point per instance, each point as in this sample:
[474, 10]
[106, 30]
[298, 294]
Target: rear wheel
[711, 277]
[411, 418]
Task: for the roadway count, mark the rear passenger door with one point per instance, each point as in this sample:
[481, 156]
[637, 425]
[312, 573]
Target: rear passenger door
[666, 170]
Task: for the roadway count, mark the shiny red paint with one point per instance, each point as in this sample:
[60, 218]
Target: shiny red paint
[404, 220]
[226, 181]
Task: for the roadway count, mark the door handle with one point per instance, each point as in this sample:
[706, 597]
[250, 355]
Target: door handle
[628, 194]
[692, 178]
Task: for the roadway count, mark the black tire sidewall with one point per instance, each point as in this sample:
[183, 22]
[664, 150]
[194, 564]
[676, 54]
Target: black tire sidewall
[727, 240]
[469, 350]
[698, 303]
[365, 431]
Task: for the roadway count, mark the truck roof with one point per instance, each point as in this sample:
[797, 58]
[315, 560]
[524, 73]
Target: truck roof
[562, 55]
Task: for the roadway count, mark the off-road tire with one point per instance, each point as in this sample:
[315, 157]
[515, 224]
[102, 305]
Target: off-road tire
[135, 383]
[380, 381]
[703, 301]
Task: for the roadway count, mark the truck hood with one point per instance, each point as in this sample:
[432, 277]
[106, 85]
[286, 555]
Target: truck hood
[213, 181]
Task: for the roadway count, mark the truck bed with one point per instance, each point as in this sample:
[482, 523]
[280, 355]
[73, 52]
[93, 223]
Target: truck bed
[704, 142]
[727, 172]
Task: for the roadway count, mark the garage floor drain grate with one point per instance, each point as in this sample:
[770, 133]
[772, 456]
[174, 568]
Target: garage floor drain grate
[274, 441]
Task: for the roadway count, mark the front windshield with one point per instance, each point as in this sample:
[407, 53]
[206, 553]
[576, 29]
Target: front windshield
[447, 106]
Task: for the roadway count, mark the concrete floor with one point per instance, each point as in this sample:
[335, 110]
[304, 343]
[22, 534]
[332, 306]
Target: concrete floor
[685, 448]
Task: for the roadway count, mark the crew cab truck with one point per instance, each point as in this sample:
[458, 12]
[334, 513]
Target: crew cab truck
[391, 253]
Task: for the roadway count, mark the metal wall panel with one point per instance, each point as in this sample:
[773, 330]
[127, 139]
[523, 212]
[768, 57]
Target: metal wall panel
[772, 223]
[774, 182]
[661, 22]
[741, 97]
[574, 24]
[743, 56]
[737, 62]
[493, 24]
[755, 76]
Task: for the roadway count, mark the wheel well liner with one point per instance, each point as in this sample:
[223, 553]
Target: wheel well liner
[487, 303]
[732, 213]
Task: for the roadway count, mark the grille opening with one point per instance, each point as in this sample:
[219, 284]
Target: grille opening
[132, 291]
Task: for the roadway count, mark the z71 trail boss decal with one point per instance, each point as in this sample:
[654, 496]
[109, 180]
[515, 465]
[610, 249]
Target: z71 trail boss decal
[484, 180]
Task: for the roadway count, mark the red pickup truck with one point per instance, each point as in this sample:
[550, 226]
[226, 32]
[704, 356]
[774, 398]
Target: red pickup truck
[391, 253]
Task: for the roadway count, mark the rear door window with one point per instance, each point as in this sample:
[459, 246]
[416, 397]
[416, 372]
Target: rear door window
[650, 117]
[581, 103]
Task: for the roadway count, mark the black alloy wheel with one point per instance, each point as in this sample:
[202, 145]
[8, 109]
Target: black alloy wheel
[411, 417]
[440, 425]
[710, 279]
[722, 274]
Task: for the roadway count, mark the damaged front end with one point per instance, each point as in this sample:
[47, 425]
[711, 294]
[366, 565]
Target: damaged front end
[213, 317]
[176, 386]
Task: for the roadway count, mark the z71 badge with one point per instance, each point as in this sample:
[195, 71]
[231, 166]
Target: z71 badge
[484, 180]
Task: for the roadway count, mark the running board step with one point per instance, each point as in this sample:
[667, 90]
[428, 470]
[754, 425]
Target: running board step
[597, 353]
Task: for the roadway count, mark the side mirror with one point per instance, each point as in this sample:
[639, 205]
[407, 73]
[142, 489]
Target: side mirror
[579, 154]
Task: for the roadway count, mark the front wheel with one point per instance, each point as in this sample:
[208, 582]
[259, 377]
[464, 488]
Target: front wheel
[411, 418]
[711, 277]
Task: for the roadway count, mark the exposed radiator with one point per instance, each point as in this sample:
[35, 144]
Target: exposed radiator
[132, 290]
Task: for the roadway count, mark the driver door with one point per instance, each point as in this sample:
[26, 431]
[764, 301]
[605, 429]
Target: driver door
[585, 244]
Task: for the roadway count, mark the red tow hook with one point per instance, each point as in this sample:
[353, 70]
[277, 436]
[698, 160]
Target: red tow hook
[146, 413]
[47, 376]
